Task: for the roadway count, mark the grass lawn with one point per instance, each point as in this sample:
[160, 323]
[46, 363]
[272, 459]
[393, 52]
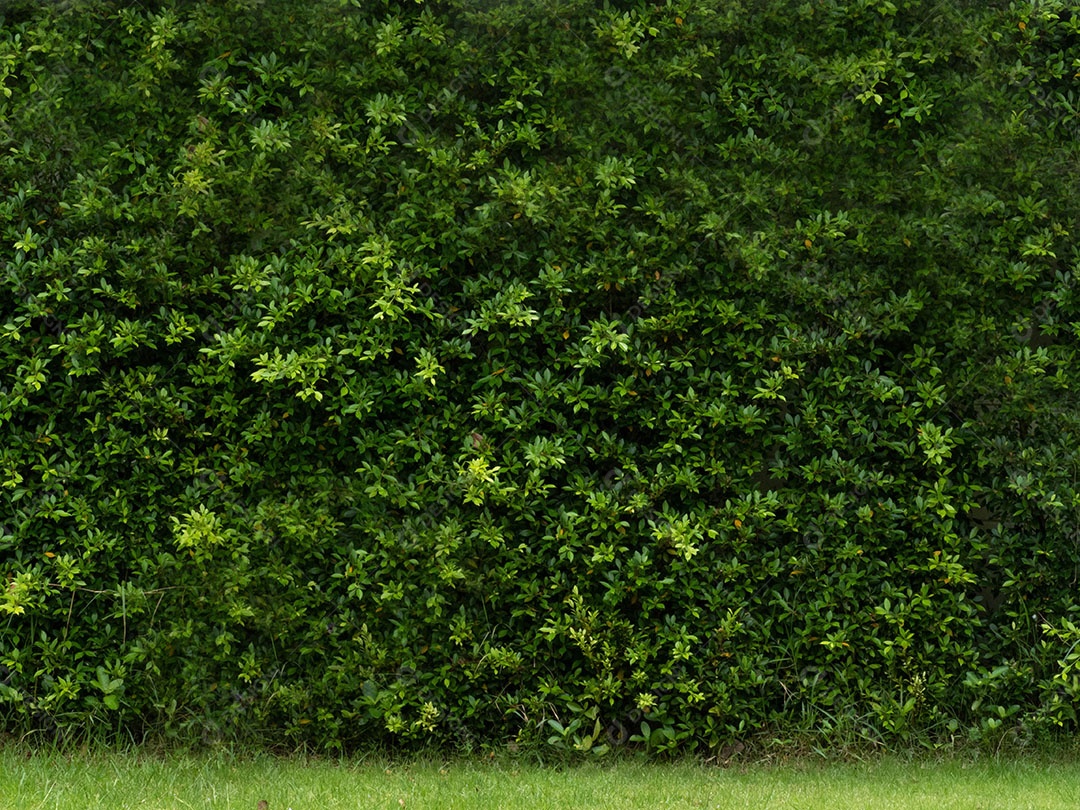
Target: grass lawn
[114, 781]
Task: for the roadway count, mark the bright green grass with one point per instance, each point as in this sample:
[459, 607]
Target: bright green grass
[116, 781]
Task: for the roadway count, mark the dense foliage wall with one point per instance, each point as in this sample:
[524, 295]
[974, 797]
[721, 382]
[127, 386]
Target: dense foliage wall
[454, 371]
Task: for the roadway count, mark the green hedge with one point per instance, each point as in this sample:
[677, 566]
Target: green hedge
[451, 372]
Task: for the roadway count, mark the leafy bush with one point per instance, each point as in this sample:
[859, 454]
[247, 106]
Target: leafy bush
[645, 374]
